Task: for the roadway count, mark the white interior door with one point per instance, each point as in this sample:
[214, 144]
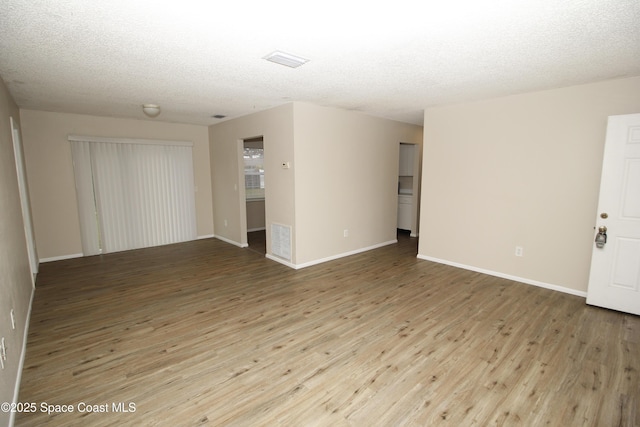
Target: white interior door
[614, 281]
[24, 200]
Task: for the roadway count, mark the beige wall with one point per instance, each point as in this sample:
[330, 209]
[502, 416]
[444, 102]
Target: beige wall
[50, 171]
[346, 171]
[276, 126]
[255, 215]
[15, 275]
[522, 170]
[343, 175]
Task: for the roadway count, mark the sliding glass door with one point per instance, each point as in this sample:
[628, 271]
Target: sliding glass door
[133, 193]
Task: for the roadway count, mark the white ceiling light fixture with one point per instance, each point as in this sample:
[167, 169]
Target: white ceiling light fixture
[285, 59]
[151, 110]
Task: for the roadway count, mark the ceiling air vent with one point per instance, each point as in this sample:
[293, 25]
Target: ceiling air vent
[286, 59]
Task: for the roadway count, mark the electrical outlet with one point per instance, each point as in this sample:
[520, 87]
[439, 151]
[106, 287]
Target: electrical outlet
[519, 251]
[225, 223]
[345, 233]
[13, 319]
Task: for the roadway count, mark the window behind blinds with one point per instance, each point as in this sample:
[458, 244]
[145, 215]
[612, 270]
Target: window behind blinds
[133, 193]
[254, 173]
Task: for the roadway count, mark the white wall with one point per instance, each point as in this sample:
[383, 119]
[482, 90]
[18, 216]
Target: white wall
[522, 170]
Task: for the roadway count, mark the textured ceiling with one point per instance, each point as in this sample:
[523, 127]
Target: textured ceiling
[391, 59]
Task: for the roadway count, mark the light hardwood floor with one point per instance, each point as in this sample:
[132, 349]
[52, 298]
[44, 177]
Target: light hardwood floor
[208, 333]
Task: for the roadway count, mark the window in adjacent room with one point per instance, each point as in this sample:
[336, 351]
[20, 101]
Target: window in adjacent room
[254, 169]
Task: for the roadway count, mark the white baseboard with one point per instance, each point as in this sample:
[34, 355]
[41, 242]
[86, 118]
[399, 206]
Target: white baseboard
[80, 255]
[256, 229]
[23, 355]
[330, 258]
[70, 256]
[507, 276]
[62, 257]
[281, 261]
[233, 242]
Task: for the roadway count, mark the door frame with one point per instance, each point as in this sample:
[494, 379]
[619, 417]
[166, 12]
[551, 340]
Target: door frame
[417, 179]
[24, 200]
[242, 195]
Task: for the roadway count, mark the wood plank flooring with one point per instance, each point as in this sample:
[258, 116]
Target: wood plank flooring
[257, 241]
[208, 333]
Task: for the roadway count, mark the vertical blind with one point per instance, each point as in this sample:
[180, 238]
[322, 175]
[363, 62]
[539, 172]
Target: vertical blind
[133, 193]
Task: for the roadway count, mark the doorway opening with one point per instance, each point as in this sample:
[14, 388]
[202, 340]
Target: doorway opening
[408, 190]
[254, 184]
